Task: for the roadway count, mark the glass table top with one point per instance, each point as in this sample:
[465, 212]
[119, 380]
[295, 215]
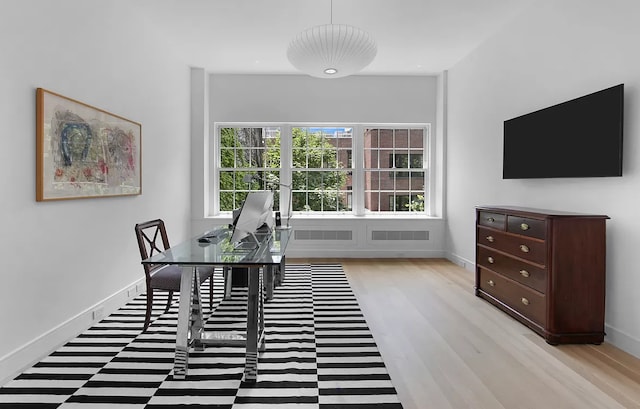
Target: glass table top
[219, 250]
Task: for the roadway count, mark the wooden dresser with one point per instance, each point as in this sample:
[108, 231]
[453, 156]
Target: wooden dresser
[544, 268]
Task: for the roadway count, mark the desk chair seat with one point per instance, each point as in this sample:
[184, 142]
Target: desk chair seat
[152, 238]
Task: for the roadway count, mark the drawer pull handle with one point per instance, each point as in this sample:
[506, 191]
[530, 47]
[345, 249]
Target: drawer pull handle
[524, 226]
[490, 260]
[524, 273]
[524, 249]
[491, 219]
[490, 239]
[525, 301]
[491, 283]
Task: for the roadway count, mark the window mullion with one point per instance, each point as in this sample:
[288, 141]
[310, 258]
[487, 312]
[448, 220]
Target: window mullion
[430, 181]
[286, 163]
[214, 152]
[357, 165]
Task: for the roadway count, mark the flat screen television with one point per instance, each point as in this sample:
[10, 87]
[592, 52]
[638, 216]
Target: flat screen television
[578, 138]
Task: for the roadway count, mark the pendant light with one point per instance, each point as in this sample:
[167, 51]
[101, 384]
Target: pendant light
[331, 50]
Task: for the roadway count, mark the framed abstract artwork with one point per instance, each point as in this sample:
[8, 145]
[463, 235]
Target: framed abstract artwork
[83, 151]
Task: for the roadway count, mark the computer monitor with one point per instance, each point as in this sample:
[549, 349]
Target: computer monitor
[256, 211]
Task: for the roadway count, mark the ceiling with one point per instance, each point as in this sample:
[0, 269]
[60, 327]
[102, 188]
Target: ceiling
[414, 37]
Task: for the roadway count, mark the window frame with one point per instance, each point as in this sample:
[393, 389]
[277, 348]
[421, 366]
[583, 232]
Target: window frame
[357, 191]
[241, 190]
[323, 170]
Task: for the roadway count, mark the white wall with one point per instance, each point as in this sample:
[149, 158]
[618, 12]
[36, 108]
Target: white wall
[554, 52]
[299, 98]
[60, 259]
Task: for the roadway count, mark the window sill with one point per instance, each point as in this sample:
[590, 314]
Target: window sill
[306, 216]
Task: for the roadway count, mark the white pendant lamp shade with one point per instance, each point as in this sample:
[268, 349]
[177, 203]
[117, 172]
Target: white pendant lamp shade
[331, 50]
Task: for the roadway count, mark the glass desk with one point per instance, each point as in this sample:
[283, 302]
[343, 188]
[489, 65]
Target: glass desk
[260, 261]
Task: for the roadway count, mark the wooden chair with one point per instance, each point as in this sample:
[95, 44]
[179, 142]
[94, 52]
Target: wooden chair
[151, 235]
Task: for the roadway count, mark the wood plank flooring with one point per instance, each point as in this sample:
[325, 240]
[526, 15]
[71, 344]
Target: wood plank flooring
[446, 348]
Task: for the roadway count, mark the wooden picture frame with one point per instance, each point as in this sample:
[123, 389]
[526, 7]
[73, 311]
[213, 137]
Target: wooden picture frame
[83, 151]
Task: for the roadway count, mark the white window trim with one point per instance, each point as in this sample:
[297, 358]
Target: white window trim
[358, 209]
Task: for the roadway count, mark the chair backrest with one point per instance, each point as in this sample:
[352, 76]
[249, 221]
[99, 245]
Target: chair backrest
[151, 235]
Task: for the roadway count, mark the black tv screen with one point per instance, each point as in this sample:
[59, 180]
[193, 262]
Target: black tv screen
[577, 138]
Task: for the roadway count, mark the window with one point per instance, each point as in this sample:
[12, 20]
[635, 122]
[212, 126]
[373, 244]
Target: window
[320, 171]
[245, 153]
[394, 169]
[331, 170]
[403, 203]
[404, 161]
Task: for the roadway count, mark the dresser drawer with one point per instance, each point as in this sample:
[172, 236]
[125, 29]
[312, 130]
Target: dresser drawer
[526, 274]
[494, 220]
[527, 302]
[491, 238]
[526, 226]
[520, 246]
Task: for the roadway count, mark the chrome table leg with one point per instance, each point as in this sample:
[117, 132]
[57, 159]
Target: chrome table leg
[197, 323]
[268, 272]
[181, 361]
[255, 324]
[226, 271]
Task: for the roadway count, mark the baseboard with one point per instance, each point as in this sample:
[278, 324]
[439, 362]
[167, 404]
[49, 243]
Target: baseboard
[622, 340]
[17, 361]
[461, 261]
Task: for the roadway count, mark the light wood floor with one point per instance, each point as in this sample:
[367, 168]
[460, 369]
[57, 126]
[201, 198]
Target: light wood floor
[446, 348]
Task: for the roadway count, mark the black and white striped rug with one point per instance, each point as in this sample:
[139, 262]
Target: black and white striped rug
[319, 354]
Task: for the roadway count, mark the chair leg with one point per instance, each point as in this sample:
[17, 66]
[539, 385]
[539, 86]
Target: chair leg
[169, 298]
[147, 317]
